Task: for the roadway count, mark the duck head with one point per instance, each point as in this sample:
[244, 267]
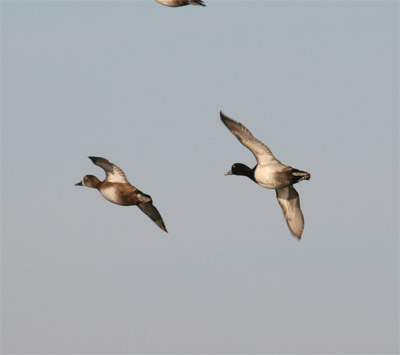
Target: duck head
[242, 169]
[89, 181]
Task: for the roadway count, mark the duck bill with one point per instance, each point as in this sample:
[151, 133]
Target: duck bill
[229, 173]
[79, 183]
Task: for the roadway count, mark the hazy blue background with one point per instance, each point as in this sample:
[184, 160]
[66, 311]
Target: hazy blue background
[142, 85]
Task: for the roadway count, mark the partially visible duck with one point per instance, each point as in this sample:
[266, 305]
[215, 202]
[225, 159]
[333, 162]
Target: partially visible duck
[177, 3]
[271, 174]
[117, 189]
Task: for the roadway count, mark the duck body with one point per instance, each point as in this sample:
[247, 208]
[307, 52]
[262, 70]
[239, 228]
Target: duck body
[270, 176]
[270, 173]
[277, 177]
[117, 189]
[123, 195]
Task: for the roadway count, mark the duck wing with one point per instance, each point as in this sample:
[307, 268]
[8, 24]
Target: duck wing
[261, 152]
[289, 200]
[113, 172]
[149, 209]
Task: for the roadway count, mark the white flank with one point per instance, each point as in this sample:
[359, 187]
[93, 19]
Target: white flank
[110, 194]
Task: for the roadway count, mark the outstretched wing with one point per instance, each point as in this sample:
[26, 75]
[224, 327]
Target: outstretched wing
[261, 152]
[149, 209]
[289, 200]
[113, 172]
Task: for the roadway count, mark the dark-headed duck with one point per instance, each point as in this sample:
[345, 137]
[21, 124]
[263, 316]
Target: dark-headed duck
[177, 3]
[271, 174]
[117, 189]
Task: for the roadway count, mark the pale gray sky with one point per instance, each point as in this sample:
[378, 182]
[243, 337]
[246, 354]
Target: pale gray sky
[142, 85]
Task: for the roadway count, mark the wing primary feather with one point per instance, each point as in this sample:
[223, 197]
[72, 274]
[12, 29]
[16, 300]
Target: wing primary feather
[260, 151]
[151, 211]
[113, 172]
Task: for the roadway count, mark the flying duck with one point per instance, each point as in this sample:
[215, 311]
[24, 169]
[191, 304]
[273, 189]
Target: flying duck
[177, 3]
[117, 189]
[271, 174]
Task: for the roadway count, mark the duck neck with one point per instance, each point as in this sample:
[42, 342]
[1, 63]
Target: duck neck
[246, 171]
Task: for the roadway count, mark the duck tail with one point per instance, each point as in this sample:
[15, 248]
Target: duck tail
[300, 175]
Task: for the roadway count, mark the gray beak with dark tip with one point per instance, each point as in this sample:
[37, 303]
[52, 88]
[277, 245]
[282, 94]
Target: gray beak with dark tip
[79, 183]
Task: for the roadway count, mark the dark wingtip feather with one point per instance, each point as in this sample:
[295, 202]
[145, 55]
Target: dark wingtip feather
[151, 211]
[95, 159]
[161, 224]
[224, 118]
[298, 237]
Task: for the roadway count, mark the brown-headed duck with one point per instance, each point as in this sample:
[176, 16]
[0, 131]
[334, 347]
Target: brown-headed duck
[271, 174]
[117, 189]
